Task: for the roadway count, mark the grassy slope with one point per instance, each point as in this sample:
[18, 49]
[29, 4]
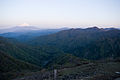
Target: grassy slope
[92, 71]
[97, 70]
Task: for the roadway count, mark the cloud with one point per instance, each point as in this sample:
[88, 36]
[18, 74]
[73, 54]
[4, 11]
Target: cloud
[24, 24]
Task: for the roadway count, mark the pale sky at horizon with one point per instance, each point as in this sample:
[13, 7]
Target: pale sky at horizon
[60, 13]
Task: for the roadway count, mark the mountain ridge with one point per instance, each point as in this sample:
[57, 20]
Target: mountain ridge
[79, 41]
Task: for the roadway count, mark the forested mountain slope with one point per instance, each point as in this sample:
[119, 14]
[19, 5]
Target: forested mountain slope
[32, 54]
[67, 50]
[90, 43]
[9, 66]
[13, 50]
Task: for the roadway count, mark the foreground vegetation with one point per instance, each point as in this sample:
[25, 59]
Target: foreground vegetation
[100, 70]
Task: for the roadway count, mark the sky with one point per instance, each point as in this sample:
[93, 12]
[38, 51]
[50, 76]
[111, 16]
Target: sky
[60, 13]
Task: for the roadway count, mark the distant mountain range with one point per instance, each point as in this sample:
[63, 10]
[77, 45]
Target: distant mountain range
[23, 33]
[19, 29]
[23, 29]
[63, 49]
[98, 42]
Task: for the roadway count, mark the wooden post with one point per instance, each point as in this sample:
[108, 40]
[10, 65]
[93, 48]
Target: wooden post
[55, 74]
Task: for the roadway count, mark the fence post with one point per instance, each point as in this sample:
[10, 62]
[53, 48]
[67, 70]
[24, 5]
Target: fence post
[55, 74]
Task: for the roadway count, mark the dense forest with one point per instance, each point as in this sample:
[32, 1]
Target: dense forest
[100, 43]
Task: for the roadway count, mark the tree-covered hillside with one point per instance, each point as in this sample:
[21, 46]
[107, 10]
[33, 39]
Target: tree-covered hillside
[9, 66]
[90, 43]
[13, 50]
[64, 50]
[32, 54]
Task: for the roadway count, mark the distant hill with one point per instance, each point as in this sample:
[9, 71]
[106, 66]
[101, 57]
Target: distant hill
[27, 33]
[19, 29]
[90, 43]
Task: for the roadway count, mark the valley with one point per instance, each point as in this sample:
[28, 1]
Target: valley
[77, 54]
